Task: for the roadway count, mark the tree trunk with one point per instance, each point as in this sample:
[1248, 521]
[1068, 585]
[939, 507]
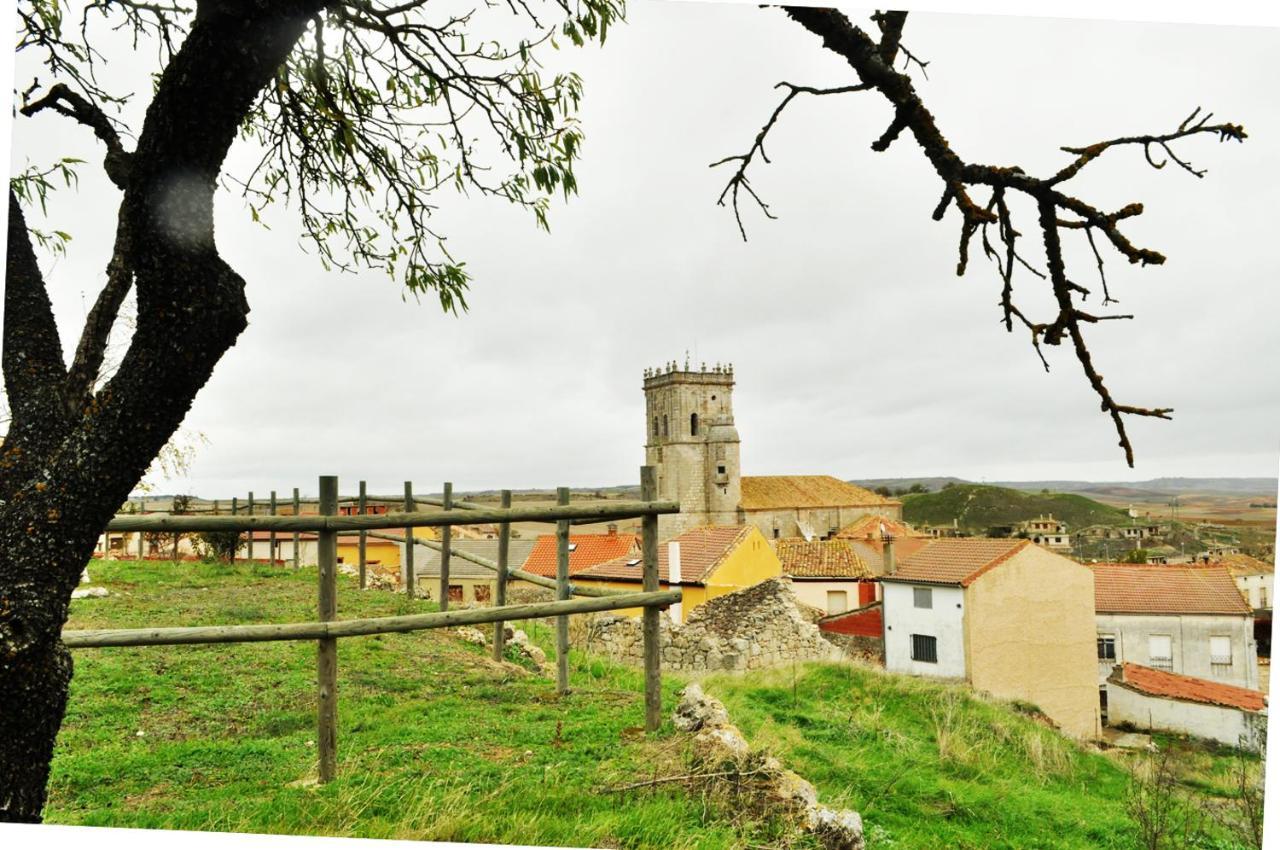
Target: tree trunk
[62, 477]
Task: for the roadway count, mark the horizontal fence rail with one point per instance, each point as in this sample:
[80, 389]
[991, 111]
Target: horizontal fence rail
[327, 628]
[480, 560]
[186, 635]
[370, 522]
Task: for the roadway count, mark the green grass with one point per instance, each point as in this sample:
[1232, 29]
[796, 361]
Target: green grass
[438, 742]
[929, 765]
[435, 741]
[977, 507]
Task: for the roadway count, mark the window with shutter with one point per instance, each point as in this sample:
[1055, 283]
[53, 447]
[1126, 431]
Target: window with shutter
[1220, 650]
[1160, 651]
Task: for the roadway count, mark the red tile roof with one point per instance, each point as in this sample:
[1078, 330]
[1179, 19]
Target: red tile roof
[956, 560]
[820, 559]
[872, 551]
[873, 526]
[1166, 589]
[585, 550]
[701, 551]
[1162, 683]
[767, 492]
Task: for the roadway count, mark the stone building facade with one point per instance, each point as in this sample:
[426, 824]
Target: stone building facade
[692, 442]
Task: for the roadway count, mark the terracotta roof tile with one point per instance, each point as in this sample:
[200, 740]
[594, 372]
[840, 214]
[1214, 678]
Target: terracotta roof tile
[956, 560]
[765, 492]
[1162, 683]
[1166, 589]
[701, 551]
[820, 559]
[1241, 564]
[870, 526]
[585, 550]
[872, 551]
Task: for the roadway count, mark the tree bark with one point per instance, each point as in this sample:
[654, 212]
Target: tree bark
[63, 482]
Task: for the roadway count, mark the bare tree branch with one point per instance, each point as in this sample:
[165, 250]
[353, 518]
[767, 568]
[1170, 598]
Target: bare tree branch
[61, 99]
[872, 61]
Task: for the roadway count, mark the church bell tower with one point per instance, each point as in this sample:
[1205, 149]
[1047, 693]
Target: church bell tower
[693, 444]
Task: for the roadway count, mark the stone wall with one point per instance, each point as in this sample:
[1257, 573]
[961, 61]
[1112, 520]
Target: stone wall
[760, 626]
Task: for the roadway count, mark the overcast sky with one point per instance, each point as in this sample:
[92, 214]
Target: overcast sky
[858, 352]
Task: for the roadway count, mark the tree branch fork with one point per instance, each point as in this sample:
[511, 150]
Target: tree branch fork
[872, 60]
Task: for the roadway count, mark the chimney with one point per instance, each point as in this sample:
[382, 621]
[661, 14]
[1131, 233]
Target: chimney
[613, 529]
[890, 560]
[673, 579]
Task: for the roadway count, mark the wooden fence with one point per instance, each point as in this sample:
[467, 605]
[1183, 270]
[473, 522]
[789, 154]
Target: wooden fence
[328, 628]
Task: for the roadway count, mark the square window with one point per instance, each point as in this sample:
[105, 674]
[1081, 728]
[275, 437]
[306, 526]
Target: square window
[1219, 649]
[837, 601]
[923, 597]
[924, 648]
[1106, 648]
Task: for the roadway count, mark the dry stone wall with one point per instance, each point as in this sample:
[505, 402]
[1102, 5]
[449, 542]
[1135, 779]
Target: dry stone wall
[760, 626]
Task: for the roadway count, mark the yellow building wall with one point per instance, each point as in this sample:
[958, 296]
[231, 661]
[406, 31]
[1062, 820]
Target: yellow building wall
[751, 562]
[1030, 635]
[385, 552]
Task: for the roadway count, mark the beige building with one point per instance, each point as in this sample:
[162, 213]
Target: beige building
[693, 443]
[1011, 618]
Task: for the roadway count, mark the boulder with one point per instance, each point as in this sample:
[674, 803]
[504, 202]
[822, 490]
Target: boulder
[697, 711]
[473, 635]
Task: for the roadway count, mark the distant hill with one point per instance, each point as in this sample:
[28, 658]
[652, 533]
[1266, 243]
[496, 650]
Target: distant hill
[936, 482]
[977, 507]
[1153, 488]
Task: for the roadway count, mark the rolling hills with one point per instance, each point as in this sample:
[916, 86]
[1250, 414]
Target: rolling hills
[977, 507]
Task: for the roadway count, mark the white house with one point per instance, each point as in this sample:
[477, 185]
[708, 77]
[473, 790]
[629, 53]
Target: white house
[1149, 699]
[1255, 578]
[1009, 617]
[1046, 531]
[1188, 619]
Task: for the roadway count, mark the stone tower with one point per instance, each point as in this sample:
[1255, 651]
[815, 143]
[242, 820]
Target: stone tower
[692, 443]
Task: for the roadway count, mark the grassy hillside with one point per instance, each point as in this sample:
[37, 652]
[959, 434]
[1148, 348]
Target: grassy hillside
[929, 765]
[980, 506]
[435, 741]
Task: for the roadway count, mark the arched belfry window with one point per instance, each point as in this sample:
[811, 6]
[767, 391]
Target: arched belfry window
[655, 426]
[664, 425]
[693, 424]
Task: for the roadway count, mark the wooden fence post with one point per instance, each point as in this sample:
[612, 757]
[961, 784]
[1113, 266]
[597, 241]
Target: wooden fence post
[297, 538]
[500, 597]
[410, 579]
[327, 648]
[271, 536]
[446, 539]
[364, 537]
[562, 593]
[249, 545]
[142, 506]
[652, 648]
[235, 509]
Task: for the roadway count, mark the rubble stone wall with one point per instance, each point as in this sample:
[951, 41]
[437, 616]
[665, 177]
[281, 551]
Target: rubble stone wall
[759, 626]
